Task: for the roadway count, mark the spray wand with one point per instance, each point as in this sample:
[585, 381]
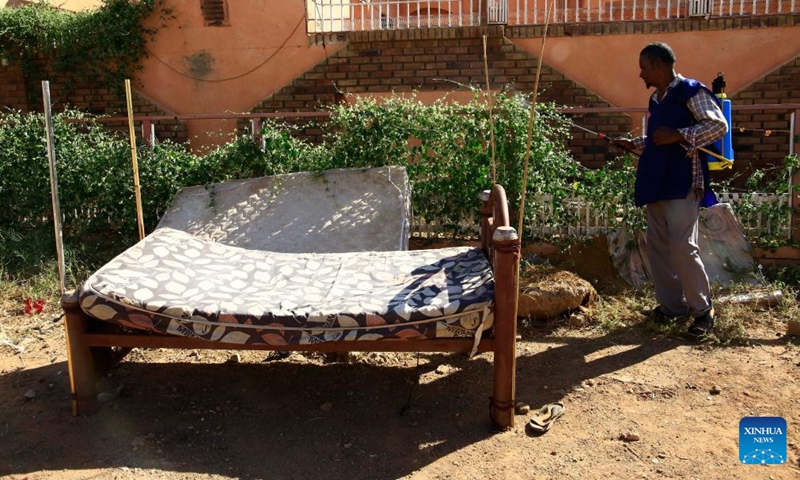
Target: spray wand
[602, 136]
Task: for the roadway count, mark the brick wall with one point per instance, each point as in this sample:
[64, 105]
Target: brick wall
[13, 94]
[754, 147]
[441, 60]
[89, 94]
[421, 60]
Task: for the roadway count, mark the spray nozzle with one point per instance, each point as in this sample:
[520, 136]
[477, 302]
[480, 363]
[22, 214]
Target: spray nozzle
[718, 85]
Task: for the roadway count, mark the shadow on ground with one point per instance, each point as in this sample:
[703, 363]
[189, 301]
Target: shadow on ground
[265, 420]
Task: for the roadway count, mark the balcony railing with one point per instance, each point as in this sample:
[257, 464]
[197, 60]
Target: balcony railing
[532, 12]
[358, 15]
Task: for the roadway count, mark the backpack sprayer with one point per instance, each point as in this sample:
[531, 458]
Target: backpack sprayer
[725, 144]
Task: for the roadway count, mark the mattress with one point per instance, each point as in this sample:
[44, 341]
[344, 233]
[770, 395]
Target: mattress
[345, 210]
[176, 283]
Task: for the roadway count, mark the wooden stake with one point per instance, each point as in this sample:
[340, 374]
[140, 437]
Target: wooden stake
[136, 188]
[794, 181]
[491, 105]
[51, 157]
[530, 120]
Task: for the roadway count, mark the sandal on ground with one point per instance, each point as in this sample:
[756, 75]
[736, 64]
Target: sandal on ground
[544, 417]
[702, 325]
[277, 355]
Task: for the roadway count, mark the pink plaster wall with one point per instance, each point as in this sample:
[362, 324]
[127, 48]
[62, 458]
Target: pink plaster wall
[194, 69]
[609, 65]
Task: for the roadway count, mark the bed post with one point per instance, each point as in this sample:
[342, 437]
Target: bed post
[506, 266]
[83, 374]
[486, 228]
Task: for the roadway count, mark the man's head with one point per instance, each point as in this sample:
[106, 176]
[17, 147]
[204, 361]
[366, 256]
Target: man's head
[656, 65]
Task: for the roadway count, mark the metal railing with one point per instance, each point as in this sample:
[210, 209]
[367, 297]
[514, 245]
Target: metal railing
[360, 15]
[533, 12]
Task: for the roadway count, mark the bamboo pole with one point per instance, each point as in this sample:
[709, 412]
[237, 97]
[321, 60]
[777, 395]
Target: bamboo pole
[532, 117]
[792, 234]
[727, 162]
[794, 196]
[136, 188]
[491, 105]
[51, 157]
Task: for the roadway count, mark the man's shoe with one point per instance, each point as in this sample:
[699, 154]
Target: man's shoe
[660, 316]
[702, 325]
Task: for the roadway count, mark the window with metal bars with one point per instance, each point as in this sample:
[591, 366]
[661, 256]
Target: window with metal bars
[215, 12]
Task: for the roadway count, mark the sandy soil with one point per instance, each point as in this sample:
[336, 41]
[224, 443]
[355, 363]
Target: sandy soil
[639, 404]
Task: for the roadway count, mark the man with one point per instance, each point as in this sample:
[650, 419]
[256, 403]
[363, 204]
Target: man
[671, 180]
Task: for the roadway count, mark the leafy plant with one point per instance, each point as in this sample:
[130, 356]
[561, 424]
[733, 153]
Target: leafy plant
[774, 181]
[444, 147]
[107, 42]
[610, 190]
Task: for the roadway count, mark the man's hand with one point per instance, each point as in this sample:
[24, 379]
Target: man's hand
[667, 136]
[623, 144]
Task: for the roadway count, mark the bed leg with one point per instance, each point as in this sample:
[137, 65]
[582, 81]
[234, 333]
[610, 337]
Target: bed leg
[506, 266]
[82, 359]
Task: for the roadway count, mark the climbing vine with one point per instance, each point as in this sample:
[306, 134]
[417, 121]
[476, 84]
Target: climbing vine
[106, 43]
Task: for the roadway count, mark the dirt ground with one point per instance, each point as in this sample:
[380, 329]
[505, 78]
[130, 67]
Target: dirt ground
[639, 404]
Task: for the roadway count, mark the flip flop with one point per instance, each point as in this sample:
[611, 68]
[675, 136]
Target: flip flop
[543, 419]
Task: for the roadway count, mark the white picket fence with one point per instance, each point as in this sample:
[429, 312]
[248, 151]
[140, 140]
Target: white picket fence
[590, 221]
[757, 222]
[587, 220]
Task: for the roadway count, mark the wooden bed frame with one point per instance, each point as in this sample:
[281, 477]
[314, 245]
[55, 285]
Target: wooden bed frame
[94, 346]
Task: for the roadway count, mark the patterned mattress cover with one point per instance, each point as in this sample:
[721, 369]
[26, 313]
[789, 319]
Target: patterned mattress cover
[173, 282]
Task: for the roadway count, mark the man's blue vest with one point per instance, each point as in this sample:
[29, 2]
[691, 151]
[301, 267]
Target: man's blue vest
[665, 172]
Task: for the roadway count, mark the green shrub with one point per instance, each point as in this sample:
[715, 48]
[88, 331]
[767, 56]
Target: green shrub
[444, 146]
[95, 184]
[776, 180]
